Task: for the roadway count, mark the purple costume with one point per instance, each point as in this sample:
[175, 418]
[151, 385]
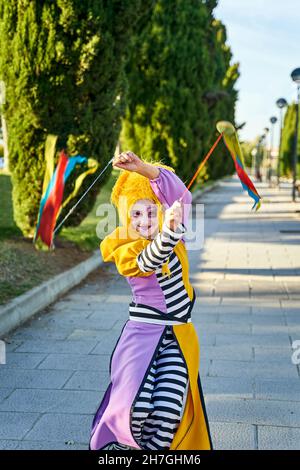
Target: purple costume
[135, 412]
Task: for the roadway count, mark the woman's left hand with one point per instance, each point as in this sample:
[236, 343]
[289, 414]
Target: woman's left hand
[127, 161]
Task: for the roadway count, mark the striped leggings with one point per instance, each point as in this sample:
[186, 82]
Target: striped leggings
[159, 408]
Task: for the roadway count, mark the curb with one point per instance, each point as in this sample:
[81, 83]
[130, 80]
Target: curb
[20, 309]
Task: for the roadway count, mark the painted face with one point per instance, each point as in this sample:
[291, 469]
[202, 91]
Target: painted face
[144, 218]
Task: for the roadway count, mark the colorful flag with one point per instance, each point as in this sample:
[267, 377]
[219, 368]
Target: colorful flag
[53, 189]
[232, 143]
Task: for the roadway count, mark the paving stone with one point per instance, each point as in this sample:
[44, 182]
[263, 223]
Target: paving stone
[88, 380]
[57, 346]
[23, 360]
[4, 392]
[46, 445]
[260, 412]
[16, 425]
[42, 333]
[278, 389]
[232, 436]
[42, 401]
[237, 387]
[228, 352]
[278, 339]
[76, 362]
[8, 444]
[273, 354]
[278, 438]
[262, 369]
[15, 378]
[61, 427]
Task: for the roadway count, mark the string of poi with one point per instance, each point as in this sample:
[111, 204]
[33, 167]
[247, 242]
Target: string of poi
[226, 131]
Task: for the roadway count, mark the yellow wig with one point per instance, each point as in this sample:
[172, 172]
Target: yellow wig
[129, 188]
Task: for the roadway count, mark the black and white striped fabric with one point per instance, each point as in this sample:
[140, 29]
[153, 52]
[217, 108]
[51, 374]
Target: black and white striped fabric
[159, 407]
[158, 251]
[117, 446]
[178, 303]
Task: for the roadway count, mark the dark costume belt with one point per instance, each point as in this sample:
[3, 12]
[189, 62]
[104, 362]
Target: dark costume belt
[147, 314]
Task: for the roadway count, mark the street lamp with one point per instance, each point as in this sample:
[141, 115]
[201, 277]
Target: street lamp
[253, 161]
[273, 121]
[259, 156]
[280, 103]
[296, 78]
[265, 150]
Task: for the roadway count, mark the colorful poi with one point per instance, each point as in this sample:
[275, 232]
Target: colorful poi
[231, 141]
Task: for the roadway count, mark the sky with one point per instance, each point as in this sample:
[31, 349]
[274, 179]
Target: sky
[264, 36]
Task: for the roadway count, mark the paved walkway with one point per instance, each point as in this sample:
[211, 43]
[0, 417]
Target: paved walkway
[247, 316]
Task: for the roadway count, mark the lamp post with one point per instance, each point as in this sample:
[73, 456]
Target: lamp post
[273, 121]
[296, 78]
[280, 103]
[265, 150]
[258, 159]
[253, 160]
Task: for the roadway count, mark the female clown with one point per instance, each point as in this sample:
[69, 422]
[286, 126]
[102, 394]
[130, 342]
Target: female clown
[154, 400]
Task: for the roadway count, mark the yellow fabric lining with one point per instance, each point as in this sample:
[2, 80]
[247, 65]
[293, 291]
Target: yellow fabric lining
[123, 246]
[192, 433]
[118, 247]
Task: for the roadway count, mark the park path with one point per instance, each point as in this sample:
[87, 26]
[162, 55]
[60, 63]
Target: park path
[247, 315]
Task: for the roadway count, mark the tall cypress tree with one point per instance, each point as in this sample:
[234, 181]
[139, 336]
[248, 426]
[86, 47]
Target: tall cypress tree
[62, 62]
[288, 141]
[180, 83]
[222, 96]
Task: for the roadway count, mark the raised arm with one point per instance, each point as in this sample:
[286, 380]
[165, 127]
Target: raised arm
[160, 248]
[167, 186]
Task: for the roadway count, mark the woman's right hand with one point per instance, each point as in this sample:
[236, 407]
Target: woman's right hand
[173, 215]
[127, 161]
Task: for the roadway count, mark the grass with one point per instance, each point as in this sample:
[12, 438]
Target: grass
[8, 227]
[22, 267]
[85, 235]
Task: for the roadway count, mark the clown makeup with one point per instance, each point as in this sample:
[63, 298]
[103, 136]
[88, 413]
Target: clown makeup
[144, 218]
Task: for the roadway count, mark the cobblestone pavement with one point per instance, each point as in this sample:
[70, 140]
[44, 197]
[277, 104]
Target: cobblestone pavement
[247, 316]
